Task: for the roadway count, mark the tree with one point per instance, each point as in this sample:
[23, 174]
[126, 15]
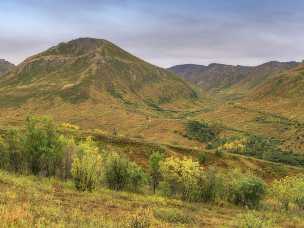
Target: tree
[154, 169]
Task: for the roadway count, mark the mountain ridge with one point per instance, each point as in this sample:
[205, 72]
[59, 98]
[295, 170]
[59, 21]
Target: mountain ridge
[221, 76]
[5, 66]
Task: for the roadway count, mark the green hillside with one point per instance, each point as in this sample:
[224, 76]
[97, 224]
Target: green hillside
[91, 70]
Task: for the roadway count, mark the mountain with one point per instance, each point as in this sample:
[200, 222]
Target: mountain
[94, 84]
[219, 76]
[287, 84]
[5, 66]
[91, 69]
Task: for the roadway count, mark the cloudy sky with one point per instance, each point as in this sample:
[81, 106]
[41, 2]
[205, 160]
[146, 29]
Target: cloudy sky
[163, 32]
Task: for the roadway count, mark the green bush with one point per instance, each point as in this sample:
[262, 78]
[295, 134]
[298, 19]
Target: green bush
[246, 190]
[38, 149]
[4, 160]
[13, 157]
[202, 158]
[201, 131]
[137, 177]
[209, 186]
[87, 166]
[116, 172]
[154, 169]
[121, 174]
[43, 146]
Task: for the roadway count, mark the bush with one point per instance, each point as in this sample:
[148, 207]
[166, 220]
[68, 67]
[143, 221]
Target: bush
[116, 173]
[180, 176]
[201, 131]
[3, 154]
[154, 169]
[87, 166]
[246, 190]
[202, 158]
[289, 190]
[137, 177]
[121, 174]
[252, 220]
[43, 146]
[209, 186]
[13, 157]
[69, 152]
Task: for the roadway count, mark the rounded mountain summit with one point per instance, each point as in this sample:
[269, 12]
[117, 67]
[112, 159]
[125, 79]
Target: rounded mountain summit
[91, 69]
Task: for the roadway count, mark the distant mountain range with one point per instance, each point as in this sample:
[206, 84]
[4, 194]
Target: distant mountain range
[5, 66]
[215, 77]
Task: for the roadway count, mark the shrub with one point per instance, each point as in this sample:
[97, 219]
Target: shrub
[180, 176]
[137, 177]
[252, 220]
[121, 174]
[289, 190]
[69, 152]
[299, 191]
[154, 169]
[87, 166]
[209, 186]
[4, 160]
[13, 157]
[43, 146]
[201, 131]
[116, 173]
[202, 158]
[246, 190]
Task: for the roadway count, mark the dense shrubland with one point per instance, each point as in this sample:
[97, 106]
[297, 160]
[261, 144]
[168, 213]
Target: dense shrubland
[259, 147]
[202, 131]
[40, 149]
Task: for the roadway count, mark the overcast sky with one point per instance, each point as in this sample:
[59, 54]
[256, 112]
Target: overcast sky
[163, 32]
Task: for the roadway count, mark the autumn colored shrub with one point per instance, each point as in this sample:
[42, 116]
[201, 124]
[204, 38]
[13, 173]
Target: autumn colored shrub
[289, 190]
[87, 166]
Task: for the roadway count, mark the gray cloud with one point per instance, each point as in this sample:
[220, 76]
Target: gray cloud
[162, 32]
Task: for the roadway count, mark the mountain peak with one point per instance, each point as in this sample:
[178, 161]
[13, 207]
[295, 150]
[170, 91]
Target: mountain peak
[5, 66]
[79, 46]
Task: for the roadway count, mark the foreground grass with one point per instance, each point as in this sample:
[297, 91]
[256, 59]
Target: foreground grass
[41, 202]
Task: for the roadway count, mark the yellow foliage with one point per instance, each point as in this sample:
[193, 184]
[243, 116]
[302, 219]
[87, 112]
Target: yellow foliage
[70, 126]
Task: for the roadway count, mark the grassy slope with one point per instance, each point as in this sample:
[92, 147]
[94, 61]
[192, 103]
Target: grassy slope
[40, 202]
